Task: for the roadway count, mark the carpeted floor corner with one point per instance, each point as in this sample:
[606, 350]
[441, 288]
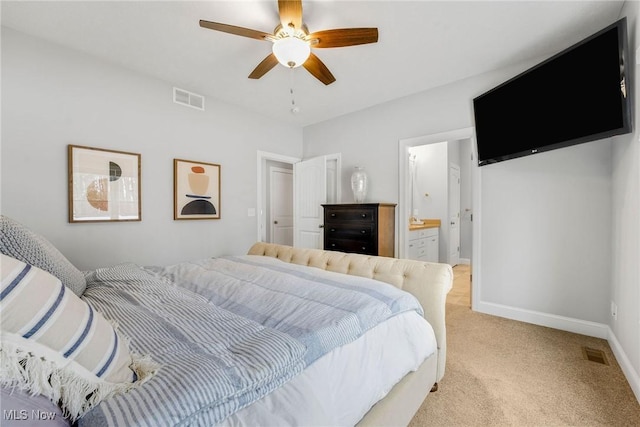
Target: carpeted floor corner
[502, 372]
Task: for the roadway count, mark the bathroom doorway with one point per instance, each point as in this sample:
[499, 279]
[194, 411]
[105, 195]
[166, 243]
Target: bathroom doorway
[437, 159]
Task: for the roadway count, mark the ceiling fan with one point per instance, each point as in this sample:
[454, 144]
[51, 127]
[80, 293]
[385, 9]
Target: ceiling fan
[292, 41]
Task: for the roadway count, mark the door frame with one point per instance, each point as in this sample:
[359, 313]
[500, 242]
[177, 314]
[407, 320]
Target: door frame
[476, 184]
[262, 169]
[451, 242]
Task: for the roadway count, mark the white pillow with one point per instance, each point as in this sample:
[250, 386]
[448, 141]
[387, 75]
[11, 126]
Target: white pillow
[55, 344]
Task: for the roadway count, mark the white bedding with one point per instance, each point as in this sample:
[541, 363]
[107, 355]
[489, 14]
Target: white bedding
[339, 388]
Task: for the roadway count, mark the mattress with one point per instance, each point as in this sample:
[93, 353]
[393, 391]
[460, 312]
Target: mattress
[339, 388]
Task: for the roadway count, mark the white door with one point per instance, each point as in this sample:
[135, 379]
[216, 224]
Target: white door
[310, 193]
[454, 214]
[316, 181]
[281, 205]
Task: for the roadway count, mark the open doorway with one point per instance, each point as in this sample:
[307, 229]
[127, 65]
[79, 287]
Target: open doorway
[291, 192]
[436, 182]
[275, 197]
[441, 191]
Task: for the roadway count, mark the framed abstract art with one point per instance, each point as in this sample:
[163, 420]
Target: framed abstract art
[104, 185]
[196, 188]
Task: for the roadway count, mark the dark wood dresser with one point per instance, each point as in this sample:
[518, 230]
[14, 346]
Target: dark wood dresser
[366, 228]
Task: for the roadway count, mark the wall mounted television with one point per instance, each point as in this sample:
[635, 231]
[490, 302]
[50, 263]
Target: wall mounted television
[579, 95]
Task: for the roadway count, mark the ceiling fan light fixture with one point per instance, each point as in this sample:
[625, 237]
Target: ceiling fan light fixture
[291, 52]
[292, 41]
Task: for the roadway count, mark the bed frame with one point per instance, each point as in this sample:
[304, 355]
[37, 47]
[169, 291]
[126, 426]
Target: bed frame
[428, 282]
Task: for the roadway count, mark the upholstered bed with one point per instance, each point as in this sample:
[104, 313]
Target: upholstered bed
[280, 336]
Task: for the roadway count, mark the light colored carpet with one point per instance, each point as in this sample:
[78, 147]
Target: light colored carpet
[502, 372]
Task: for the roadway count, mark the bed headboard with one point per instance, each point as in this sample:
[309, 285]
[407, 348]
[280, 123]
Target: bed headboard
[428, 282]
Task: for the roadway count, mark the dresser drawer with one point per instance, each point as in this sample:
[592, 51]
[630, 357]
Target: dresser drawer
[364, 214]
[350, 231]
[361, 247]
[422, 233]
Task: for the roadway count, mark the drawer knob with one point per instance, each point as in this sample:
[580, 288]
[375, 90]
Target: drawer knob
[333, 215]
[364, 231]
[364, 248]
[333, 230]
[333, 245]
[363, 215]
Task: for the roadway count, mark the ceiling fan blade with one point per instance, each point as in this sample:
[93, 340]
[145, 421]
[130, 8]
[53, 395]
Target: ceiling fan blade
[290, 13]
[267, 64]
[318, 69]
[232, 29]
[343, 37]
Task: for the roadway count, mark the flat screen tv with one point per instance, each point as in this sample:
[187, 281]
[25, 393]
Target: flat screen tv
[581, 94]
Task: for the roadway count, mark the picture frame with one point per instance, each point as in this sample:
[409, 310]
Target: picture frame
[104, 185]
[196, 190]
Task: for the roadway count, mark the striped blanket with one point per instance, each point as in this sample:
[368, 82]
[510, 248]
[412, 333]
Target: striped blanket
[213, 362]
[321, 309]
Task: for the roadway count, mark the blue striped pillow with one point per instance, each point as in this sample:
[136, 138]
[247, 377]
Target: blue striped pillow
[55, 344]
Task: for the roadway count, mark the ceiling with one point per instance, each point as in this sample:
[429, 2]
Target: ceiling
[422, 44]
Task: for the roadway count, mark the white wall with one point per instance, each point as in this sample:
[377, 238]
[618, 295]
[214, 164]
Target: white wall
[546, 232]
[53, 96]
[625, 287]
[370, 137]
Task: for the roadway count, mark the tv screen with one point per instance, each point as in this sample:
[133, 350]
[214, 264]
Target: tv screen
[579, 95]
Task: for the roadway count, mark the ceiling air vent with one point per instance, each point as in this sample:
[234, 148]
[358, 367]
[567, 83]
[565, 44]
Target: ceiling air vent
[189, 99]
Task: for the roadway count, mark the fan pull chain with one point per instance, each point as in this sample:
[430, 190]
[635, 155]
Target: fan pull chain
[294, 108]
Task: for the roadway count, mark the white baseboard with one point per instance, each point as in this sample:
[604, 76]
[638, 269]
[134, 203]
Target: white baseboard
[584, 327]
[625, 364]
